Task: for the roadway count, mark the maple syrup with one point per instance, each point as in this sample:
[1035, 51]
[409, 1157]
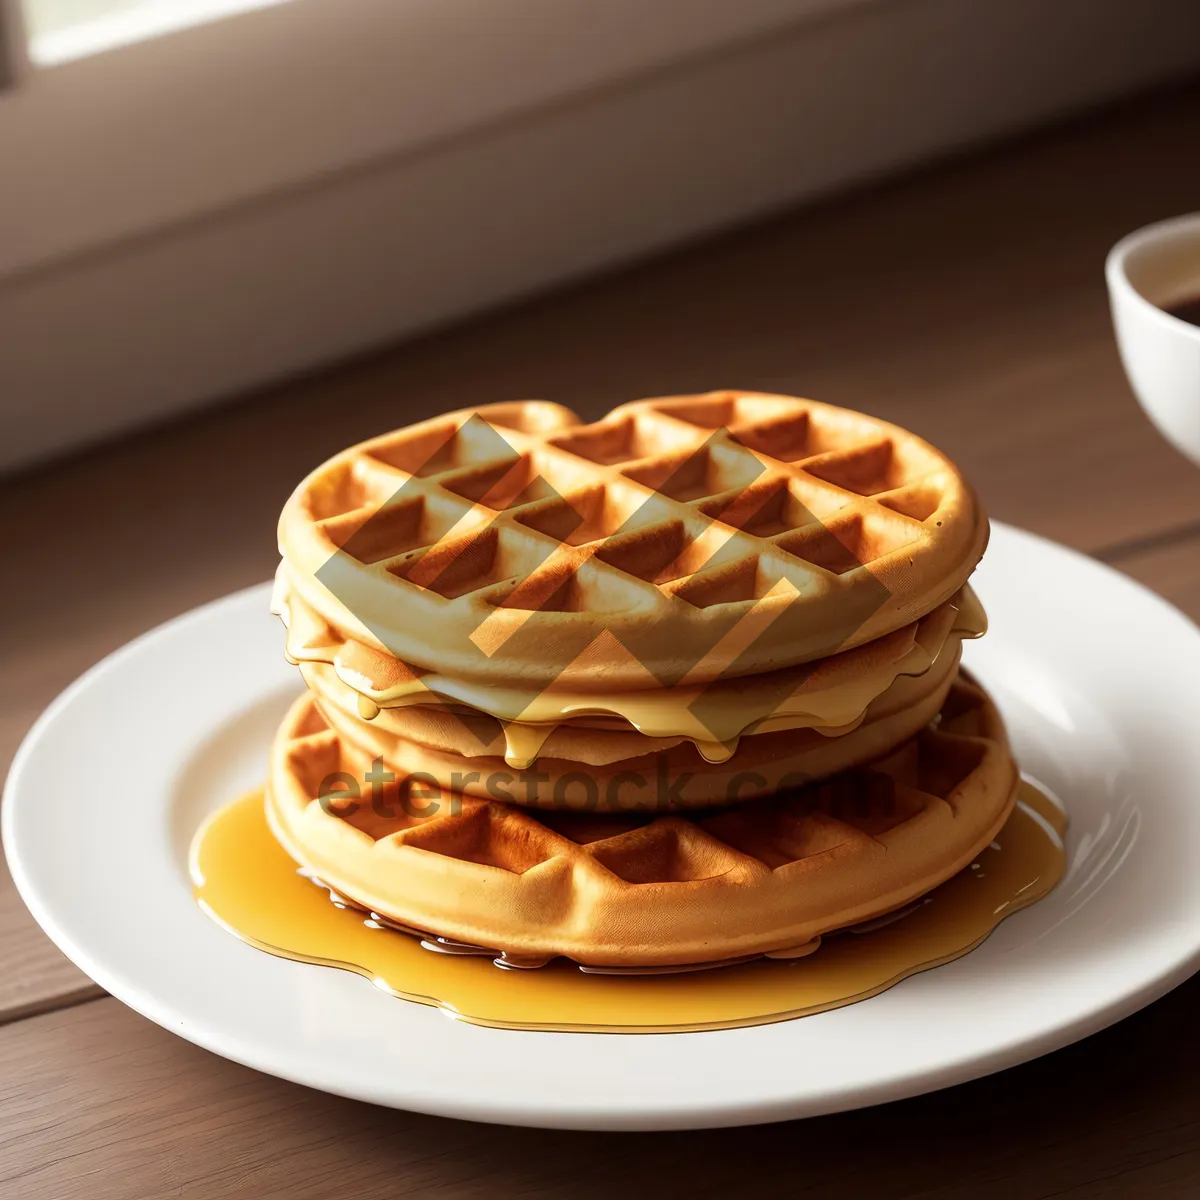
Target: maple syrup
[244, 879]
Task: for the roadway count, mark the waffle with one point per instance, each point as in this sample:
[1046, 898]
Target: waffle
[766, 877]
[625, 771]
[831, 695]
[677, 540]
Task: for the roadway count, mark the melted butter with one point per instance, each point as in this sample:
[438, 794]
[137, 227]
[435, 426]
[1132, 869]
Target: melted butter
[523, 743]
[730, 709]
[244, 879]
[717, 752]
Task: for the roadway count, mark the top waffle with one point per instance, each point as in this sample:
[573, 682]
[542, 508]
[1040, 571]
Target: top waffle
[677, 540]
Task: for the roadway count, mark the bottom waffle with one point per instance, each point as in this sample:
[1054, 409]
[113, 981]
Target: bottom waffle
[766, 877]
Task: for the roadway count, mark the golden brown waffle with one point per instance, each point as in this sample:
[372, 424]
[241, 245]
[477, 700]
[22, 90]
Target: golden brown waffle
[472, 719]
[682, 538]
[615, 770]
[765, 877]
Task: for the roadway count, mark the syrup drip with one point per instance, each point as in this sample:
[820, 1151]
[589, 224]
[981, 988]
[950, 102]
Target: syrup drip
[245, 880]
[530, 718]
[523, 743]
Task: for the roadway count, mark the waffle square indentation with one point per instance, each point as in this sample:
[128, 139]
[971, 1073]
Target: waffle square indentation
[709, 471]
[731, 583]
[791, 438]
[488, 835]
[470, 563]
[642, 435]
[660, 553]
[776, 505]
[778, 834]
[847, 543]
[444, 448]
[872, 468]
[725, 410]
[918, 501]
[665, 851]
[502, 485]
[592, 515]
[407, 522]
[349, 486]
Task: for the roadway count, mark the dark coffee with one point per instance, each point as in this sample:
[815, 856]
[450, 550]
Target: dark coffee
[1187, 310]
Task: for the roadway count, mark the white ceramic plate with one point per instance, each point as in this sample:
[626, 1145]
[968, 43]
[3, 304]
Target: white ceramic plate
[1100, 683]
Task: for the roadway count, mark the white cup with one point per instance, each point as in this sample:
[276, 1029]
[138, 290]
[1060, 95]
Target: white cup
[1150, 270]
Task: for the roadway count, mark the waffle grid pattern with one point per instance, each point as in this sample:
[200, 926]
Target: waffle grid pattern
[678, 506]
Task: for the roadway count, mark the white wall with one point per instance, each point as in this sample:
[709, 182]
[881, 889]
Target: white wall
[135, 327]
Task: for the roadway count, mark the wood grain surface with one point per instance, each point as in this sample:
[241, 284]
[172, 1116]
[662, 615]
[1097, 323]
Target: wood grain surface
[967, 303]
[100, 1103]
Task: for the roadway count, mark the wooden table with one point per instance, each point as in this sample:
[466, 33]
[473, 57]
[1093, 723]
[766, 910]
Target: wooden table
[967, 303]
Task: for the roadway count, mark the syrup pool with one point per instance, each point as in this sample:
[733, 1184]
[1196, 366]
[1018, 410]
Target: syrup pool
[245, 881]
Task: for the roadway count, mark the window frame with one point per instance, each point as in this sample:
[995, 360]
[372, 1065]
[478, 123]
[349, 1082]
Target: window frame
[138, 138]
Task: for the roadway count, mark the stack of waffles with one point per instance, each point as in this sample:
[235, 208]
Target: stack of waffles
[674, 689]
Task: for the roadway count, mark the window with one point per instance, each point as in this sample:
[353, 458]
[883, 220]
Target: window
[197, 196]
[61, 30]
